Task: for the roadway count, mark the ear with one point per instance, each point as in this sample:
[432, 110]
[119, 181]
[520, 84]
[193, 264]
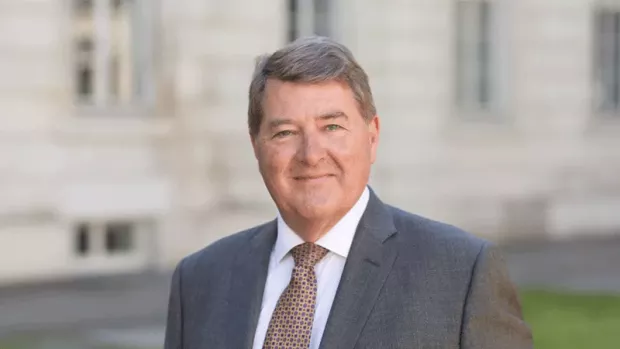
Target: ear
[373, 133]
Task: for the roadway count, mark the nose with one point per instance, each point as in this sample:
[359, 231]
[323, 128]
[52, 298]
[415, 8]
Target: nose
[311, 150]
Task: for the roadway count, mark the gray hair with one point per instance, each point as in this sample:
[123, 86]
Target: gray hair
[309, 60]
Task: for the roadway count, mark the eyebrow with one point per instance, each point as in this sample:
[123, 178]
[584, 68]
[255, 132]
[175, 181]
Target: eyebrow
[333, 115]
[279, 122]
[324, 116]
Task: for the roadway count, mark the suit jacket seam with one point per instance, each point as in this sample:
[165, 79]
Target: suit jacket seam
[470, 285]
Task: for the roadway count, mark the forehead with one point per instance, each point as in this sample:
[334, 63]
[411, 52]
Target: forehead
[283, 95]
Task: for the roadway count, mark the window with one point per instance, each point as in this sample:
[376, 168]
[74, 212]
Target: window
[84, 71]
[119, 237]
[82, 240]
[308, 17]
[83, 6]
[112, 52]
[474, 55]
[607, 60]
[105, 238]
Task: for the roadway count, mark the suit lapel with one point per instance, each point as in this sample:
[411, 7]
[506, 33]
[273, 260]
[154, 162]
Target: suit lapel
[369, 262]
[246, 289]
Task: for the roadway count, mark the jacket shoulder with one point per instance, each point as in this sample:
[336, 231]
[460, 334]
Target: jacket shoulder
[439, 237]
[220, 253]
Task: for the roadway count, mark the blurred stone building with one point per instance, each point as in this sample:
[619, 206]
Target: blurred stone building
[123, 142]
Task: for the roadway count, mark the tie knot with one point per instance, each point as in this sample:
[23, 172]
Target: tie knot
[308, 254]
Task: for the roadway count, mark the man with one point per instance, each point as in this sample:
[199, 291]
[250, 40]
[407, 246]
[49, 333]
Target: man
[337, 268]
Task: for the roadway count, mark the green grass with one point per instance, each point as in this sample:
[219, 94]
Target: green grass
[572, 321]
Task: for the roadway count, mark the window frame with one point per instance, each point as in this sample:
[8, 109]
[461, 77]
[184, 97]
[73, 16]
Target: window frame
[309, 17]
[96, 233]
[100, 101]
[486, 103]
[598, 72]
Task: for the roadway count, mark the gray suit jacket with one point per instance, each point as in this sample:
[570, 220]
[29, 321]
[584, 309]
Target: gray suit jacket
[408, 282]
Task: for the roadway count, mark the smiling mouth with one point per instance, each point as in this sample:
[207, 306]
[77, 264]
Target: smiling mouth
[313, 177]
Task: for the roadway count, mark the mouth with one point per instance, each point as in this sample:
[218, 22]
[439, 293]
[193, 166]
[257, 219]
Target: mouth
[312, 177]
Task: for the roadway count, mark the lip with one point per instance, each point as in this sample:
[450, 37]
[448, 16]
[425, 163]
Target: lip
[312, 177]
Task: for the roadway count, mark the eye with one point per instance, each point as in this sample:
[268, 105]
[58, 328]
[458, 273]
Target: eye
[333, 127]
[283, 134]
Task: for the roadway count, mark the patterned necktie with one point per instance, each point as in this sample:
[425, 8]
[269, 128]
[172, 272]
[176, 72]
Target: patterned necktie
[291, 322]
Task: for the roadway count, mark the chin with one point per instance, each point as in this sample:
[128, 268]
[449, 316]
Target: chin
[317, 208]
[314, 209]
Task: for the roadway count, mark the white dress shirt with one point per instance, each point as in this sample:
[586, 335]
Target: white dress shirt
[338, 242]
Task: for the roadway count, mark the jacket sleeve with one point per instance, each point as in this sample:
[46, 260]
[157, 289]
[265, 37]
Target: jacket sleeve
[492, 316]
[174, 322]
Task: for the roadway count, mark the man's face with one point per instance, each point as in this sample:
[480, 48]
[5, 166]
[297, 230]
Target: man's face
[313, 148]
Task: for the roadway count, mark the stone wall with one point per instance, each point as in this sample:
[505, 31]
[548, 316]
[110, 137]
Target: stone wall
[544, 165]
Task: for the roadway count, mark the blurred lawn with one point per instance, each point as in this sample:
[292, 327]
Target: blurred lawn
[572, 321]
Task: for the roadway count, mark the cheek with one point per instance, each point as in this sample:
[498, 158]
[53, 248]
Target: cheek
[344, 154]
[275, 161]
[351, 150]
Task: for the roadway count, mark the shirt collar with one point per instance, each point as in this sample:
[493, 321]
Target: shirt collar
[337, 240]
